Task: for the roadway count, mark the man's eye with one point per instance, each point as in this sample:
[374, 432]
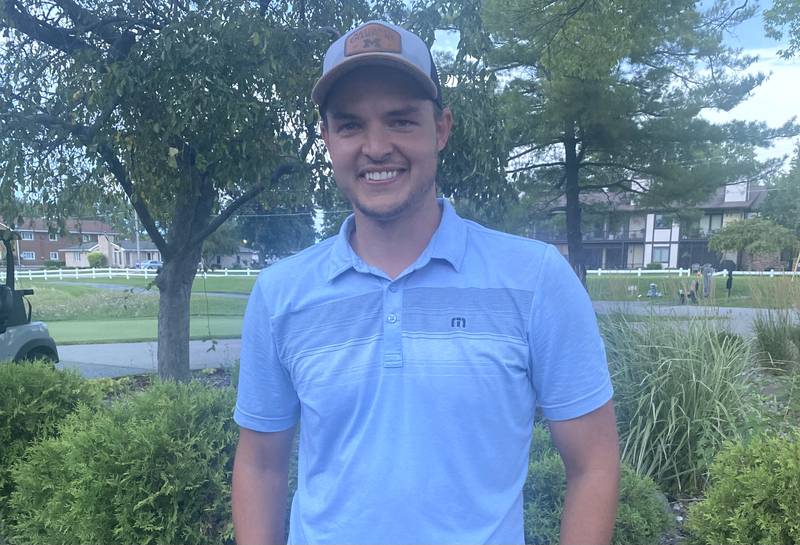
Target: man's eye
[402, 123]
[347, 127]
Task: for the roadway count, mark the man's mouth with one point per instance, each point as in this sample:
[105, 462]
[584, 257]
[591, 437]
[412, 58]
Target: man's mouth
[380, 175]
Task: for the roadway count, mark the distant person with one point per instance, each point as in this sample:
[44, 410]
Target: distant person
[413, 348]
[729, 282]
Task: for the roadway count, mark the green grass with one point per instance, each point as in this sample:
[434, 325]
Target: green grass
[141, 329]
[748, 291]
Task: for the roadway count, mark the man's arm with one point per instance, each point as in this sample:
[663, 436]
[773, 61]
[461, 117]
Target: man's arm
[589, 447]
[260, 486]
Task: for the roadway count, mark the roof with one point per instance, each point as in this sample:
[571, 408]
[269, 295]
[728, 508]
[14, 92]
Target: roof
[755, 197]
[85, 247]
[73, 225]
[243, 250]
[130, 245]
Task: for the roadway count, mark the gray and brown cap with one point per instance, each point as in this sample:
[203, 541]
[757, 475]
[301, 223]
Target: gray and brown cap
[378, 43]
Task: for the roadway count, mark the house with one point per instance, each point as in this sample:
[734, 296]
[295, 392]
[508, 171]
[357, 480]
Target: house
[627, 236]
[40, 242]
[244, 258]
[121, 254]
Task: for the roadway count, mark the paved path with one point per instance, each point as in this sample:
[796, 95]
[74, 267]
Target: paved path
[117, 359]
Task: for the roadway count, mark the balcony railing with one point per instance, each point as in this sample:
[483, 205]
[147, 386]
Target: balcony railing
[593, 235]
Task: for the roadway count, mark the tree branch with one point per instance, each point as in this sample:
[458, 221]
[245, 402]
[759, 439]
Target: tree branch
[30, 26]
[251, 193]
[537, 165]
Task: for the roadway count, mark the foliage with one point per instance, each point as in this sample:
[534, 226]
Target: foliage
[783, 199]
[222, 242]
[654, 265]
[755, 236]
[54, 264]
[277, 231]
[608, 95]
[642, 517]
[97, 259]
[681, 390]
[777, 339]
[783, 19]
[34, 399]
[754, 494]
[151, 468]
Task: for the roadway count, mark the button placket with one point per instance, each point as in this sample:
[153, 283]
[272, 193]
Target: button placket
[392, 326]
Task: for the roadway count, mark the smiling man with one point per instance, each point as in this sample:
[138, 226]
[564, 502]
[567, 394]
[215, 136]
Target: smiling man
[414, 347]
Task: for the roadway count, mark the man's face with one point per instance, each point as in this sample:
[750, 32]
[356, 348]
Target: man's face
[384, 139]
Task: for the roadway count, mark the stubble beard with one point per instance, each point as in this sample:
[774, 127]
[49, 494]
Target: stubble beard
[412, 199]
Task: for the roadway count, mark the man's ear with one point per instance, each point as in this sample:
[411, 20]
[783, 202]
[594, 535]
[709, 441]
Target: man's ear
[323, 130]
[444, 124]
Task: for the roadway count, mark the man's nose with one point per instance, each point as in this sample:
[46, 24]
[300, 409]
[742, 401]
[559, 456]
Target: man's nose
[377, 144]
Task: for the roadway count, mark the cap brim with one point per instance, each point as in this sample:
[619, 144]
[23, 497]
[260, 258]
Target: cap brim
[320, 91]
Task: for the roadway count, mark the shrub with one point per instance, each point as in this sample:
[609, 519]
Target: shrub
[54, 264]
[642, 517]
[754, 494]
[150, 468]
[97, 259]
[777, 338]
[654, 266]
[681, 391]
[34, 398]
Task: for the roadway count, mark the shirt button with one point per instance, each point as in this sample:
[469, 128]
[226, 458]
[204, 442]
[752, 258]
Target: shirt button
[393, 288]
[391, 318]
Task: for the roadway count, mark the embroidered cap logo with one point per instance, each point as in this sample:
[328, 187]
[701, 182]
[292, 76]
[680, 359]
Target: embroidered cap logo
[373, 38]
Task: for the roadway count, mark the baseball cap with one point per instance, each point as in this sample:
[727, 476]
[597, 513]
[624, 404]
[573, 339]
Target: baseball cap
[378, 43]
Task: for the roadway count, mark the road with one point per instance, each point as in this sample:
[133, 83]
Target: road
[118, 359]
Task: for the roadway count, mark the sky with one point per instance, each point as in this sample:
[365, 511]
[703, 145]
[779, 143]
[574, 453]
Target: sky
[774, 102]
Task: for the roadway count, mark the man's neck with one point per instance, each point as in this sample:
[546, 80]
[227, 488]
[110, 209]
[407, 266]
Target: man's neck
[394, 245]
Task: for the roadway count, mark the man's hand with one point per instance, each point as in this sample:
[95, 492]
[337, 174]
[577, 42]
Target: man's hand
[260, 486]
[589, 447]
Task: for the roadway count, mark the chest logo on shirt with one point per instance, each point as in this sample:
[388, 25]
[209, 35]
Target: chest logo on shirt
[458, 322]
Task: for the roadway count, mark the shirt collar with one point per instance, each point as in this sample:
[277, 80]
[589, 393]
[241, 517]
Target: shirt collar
[449, 243]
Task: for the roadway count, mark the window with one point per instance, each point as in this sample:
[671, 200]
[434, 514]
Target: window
[663, 221]
[76, 256]
[28, 256]
[26, 235]
[715, 222]
[661, 254]
[87, 238]
[53, 237]
[53, 256]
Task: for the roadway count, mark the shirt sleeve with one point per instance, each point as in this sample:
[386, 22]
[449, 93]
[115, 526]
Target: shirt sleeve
[266, 399]
[569, 372]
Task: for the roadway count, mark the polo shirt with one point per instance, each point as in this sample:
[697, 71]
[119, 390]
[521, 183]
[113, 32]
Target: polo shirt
[416, 395]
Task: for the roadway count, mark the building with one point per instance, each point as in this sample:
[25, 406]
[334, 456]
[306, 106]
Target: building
[244, 258]
[41, 244]
[120, 254]
[625, 236]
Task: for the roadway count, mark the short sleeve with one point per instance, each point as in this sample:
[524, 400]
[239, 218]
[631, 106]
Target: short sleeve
[569, 372]
[266, 399]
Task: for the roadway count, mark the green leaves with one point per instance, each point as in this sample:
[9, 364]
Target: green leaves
[755, 236]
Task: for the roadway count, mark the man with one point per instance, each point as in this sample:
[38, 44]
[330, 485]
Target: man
[414, 347]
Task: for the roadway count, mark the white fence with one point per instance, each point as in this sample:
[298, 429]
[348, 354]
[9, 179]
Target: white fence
[110, 272]
[682, 272]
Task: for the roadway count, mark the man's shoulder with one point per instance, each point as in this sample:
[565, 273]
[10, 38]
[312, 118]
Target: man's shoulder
[307, 267]
[514, 250]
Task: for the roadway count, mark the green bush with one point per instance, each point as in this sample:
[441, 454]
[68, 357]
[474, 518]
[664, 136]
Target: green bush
[150, 468]
[97, 259]
[642, 517]
[777, 339]
[681, 390]
[34, 399]
[753, 496]
[54, 264]
[654, 266]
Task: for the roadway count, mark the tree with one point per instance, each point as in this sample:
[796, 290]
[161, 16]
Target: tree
[783, 20]
[782, 204]
[190, 108]
[607, 96]
[756, 236]
[223, 241]
[277, 231]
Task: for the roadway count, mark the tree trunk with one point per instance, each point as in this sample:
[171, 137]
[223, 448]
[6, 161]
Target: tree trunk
[175, 287]
[573, 205]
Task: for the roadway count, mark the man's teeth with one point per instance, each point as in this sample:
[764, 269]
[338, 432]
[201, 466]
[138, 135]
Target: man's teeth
[382, 175]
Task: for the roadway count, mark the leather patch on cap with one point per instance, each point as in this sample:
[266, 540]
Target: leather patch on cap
[372, 38]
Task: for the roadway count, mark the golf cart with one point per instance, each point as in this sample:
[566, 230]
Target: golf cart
[20, 339]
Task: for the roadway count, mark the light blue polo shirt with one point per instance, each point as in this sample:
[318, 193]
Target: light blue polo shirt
[416, 396]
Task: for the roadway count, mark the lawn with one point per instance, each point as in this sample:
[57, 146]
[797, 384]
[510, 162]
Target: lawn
[748, 291]
[225, 284]
[139, 329]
